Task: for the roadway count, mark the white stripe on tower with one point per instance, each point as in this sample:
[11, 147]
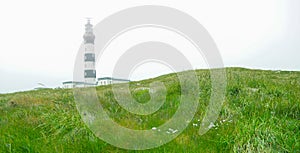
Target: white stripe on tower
[89, 55]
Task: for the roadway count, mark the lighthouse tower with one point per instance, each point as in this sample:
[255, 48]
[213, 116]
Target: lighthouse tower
[89, 55]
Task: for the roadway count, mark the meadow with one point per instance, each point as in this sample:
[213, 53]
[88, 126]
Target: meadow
[261, 113]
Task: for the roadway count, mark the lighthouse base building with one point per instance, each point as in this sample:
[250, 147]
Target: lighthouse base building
[101, 82]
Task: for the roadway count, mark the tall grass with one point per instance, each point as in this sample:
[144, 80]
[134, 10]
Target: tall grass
[261, 113]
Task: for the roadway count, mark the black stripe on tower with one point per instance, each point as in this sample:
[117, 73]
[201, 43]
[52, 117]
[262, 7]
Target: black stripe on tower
[89, 73]
[89, 57]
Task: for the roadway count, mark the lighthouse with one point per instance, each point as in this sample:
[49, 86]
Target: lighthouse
[89, 55]
[89, 71]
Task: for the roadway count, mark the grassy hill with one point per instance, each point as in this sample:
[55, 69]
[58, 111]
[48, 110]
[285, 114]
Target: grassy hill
[261, 113]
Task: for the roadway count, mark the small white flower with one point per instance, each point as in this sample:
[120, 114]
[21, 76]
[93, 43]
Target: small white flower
[211, 125]
[170, 130]
[154, 128]
[195, 124]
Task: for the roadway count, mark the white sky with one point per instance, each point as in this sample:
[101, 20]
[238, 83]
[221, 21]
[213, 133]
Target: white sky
[40, 39]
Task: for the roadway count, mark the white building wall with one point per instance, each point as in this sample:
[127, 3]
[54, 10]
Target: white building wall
[89, 80]
[110, 81]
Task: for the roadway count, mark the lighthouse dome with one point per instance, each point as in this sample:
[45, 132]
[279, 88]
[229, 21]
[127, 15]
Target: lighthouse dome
[89, 36]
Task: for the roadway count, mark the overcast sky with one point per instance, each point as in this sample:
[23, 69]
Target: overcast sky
[40, 39]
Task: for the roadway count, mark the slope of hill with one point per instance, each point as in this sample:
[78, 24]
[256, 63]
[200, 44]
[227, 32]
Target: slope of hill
[261, 113]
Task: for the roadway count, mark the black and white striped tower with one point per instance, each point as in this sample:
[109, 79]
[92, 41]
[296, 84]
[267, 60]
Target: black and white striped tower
[89, 55]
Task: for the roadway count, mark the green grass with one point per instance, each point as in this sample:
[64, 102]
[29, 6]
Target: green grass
[261, 113]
